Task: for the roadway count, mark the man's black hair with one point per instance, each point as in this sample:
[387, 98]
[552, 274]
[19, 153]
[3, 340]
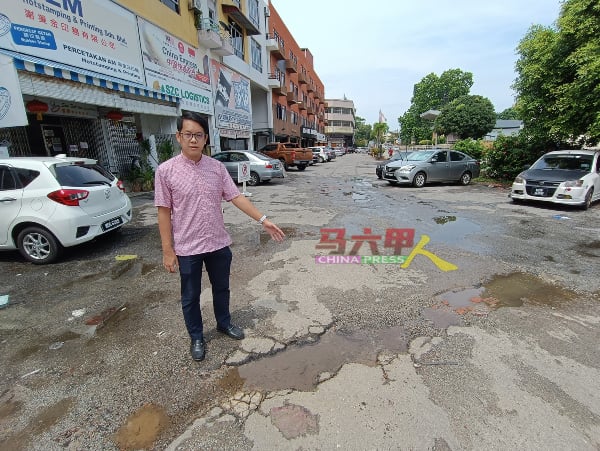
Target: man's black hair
[193, 116]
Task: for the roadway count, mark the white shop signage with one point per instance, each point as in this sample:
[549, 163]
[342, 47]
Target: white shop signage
[12, 110]
[97, 35]
[173, 68]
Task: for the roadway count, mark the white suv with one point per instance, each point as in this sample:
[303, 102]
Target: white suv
[47, 203]
[320, 154]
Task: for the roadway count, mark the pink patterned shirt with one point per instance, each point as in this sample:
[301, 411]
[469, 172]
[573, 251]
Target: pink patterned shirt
[194, 192]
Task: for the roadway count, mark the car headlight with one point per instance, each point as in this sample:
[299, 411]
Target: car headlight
[519, 179]
[573, 183]
[407, 168]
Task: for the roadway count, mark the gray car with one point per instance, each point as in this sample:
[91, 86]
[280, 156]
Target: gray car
[262, 168]
[436, 165]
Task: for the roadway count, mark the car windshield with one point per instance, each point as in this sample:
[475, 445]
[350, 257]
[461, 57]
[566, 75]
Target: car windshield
[400, 156]
[573, 162]
[420, 156]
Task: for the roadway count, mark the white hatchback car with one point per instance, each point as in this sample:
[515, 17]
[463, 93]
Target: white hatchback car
[570, 177]
[47, 203]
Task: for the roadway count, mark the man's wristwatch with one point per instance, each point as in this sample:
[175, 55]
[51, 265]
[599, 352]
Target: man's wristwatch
[262, 219]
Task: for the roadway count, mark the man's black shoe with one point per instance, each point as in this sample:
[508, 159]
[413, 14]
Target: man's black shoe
[198, 350]
[232, 331]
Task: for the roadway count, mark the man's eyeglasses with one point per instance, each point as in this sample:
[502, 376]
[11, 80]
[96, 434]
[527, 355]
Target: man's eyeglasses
[189, 136]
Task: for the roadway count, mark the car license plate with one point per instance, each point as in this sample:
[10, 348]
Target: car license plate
[539, 192]
[111, 224]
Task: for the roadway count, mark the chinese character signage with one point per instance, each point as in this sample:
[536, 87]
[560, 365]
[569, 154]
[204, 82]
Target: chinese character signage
[96, 35]
[175, 68]
[12, 110]
[232, 102]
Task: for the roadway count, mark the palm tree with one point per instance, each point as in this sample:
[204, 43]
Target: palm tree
[379, 131]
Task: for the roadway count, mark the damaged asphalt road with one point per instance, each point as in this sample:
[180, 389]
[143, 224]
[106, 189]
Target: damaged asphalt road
[500, 353]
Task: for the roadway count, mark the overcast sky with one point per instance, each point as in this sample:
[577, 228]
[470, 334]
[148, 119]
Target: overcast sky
[374, 52]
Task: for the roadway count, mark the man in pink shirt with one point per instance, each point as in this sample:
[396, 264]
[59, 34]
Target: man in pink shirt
[189, 189]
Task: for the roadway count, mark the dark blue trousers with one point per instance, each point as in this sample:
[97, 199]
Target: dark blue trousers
[217, 265]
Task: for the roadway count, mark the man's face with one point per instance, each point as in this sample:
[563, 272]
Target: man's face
[192, 139]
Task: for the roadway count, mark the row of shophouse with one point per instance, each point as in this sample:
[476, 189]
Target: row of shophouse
[93, 78]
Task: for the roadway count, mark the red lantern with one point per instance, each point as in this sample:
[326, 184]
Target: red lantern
[114, 115]
[37, 107]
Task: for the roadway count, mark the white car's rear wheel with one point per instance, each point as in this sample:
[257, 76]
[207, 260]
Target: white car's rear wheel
[38, 245]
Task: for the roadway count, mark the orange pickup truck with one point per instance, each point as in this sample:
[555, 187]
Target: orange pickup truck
[290, 154]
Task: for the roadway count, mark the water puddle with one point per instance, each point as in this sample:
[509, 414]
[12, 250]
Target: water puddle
[514, 289]
[511, 290]
[299, 367]
[142, 428]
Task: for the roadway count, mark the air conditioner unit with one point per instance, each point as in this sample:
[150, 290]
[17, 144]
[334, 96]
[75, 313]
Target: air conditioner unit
[194, 5]
[267, 12]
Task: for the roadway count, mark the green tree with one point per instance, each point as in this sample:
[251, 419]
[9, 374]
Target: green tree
[509, 114]
[362, 133]
[558, 77]
[432, 93]
[378, 134]
[471, 147]
[469, 116]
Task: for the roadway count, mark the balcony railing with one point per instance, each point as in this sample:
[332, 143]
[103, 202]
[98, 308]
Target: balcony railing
[226, 47]
[273, 81]
[275, 47]
[208, 33]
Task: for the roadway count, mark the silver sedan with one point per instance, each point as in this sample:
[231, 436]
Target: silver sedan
[437, 165]
[262, 168]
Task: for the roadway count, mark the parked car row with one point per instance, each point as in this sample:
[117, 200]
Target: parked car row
[567, 177]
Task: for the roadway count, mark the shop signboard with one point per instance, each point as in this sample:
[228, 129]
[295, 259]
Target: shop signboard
[175, 68]
[12, 110]
[97, 35]
[232, 101]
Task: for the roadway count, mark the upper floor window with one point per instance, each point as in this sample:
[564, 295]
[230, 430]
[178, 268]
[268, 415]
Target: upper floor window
[253, 12]
[256, 54]
[172, 4]
[237, 38]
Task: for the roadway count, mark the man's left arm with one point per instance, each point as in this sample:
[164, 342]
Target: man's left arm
[244, 204]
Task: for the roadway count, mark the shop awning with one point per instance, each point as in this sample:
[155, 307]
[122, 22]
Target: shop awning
[45, 67]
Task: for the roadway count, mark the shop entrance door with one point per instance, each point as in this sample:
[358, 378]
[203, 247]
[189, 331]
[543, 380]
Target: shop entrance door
[54, 139]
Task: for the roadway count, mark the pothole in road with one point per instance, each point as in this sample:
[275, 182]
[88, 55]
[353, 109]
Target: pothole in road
[511, 290]
[444, 219]
[142, 428]
[301, 367]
